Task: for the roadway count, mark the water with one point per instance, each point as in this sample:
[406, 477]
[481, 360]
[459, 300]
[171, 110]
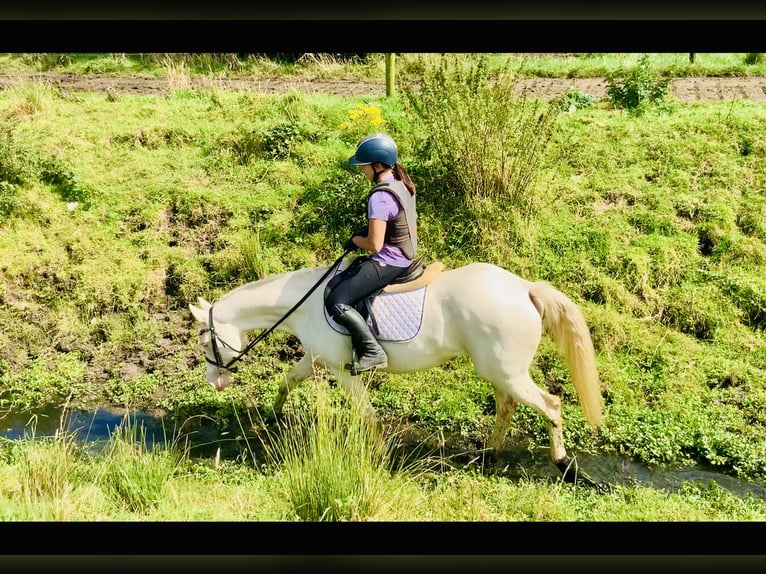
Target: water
[519, 461]
[91, 427]
[203, 439]
[200, 435]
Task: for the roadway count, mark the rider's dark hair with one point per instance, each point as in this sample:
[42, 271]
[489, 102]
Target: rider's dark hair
[401, 174]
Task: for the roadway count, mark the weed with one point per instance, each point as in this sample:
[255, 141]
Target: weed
[572, 100]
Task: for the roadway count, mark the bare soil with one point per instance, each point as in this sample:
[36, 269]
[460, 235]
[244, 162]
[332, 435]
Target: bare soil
[684, 89]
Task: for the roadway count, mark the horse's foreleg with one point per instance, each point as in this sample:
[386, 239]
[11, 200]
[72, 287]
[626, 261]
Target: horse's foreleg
[505, 406]
[357, 392]
[300, 372]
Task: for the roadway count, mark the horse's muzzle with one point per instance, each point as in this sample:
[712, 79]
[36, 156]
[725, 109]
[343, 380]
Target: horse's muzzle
[220, 380]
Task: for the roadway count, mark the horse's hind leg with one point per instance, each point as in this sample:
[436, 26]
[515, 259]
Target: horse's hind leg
[526, 392]
[300, 372]
[521, 389]
[505, 406]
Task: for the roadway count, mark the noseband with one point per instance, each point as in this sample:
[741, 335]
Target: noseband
[214, 339]
[214, 344]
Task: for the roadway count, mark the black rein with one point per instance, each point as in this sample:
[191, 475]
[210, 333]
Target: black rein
[214, 338]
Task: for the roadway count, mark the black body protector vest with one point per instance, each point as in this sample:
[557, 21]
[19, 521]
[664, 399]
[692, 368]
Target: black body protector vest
[400, 231]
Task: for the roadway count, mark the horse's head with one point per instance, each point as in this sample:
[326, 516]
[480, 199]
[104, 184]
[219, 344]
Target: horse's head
[222, 343]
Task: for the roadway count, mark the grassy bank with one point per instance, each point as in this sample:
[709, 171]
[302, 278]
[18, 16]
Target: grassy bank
[116, 212]
[325, 465]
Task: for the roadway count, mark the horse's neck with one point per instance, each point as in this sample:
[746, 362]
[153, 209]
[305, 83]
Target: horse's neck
[260, 304]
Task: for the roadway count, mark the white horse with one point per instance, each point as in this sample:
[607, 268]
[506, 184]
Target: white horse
[480, 310]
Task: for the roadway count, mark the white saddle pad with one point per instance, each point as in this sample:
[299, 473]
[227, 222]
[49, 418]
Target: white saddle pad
[398, 316]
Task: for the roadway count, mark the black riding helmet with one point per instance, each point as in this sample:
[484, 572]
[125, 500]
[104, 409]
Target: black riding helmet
[375, 148]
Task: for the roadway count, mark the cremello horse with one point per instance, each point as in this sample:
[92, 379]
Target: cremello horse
[481, 310]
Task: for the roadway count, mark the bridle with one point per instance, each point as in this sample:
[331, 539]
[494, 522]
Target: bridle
[215, 339]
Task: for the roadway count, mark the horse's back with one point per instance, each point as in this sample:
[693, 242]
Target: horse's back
[486, 312]
[483, 279]
[483, 292]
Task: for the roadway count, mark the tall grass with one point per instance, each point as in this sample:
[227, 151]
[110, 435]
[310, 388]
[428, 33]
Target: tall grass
[47, 474]
[51, 480]
[334, 462]
[481, 147]
[132, 473]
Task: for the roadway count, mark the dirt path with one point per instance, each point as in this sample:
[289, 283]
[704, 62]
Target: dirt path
[684, 89]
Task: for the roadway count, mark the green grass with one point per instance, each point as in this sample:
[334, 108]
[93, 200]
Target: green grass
[116, 213]
[324, 463]
[372, 66]
[334, 463]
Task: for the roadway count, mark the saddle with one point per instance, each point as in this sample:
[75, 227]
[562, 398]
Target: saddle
[417, 276]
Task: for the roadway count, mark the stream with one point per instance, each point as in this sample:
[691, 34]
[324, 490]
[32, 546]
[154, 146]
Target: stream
[204, 440]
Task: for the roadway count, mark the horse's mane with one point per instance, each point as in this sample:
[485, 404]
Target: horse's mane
[259, 283]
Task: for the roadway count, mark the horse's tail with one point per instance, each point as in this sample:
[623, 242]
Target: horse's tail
[566, 325]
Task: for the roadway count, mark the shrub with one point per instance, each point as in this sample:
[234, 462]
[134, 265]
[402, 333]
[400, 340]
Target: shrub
[639, 87]
[572, 100]
[488, 142]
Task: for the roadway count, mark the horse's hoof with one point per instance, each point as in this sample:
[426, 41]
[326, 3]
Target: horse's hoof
[568, 468]
[573, 474]
[602, 487]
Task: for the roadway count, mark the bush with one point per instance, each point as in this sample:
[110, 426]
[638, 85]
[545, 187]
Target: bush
[488, 141]
[639, 87]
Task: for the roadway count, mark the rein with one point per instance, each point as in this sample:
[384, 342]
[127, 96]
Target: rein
[214, 338]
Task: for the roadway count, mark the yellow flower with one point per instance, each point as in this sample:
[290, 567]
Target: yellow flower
[363, 117]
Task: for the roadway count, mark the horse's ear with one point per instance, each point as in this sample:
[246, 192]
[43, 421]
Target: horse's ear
[203, 304]
[198, 314]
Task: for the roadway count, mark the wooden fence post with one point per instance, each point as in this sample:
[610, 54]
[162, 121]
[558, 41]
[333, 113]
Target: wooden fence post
[390, 87]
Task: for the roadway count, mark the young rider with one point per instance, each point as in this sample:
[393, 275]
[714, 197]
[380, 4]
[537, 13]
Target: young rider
[390, 237]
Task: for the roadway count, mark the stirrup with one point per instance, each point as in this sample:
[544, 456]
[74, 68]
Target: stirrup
[354, 367]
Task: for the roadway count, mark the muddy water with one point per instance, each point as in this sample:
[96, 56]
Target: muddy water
[203, 440]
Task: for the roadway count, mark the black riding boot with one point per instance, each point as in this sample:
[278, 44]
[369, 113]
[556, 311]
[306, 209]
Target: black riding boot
[369, 353]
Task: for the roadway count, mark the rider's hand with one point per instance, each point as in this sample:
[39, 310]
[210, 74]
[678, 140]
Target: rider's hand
[350, 245]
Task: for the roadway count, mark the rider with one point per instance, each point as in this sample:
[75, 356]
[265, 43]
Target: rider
[391, 237]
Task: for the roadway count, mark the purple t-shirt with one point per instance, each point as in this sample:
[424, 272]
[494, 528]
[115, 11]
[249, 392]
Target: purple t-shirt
[383, 205]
